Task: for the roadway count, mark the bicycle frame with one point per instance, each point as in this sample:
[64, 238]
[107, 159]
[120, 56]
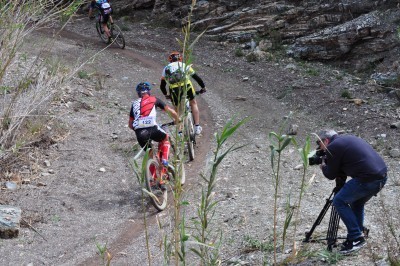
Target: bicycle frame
[114, 30]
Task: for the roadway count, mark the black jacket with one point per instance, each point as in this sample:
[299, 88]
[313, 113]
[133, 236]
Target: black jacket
[352, 156]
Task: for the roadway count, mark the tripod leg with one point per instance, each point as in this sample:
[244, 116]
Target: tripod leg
[331, 235]
[319, 219]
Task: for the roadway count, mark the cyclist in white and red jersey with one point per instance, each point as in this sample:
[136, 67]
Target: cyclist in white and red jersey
[143, 119]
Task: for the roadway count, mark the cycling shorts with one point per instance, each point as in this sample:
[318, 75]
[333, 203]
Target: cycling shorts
[177, 93]
[145, 135]
[104, 18]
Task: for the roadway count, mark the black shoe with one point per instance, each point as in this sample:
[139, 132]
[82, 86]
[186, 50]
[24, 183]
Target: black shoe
[350, 246]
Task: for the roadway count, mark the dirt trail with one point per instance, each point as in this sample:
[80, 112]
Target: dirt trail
[79, 205]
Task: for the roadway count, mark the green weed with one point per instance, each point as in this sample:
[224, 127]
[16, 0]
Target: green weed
[239, 52]
[70, 10]
[251, 57]
[253, 244]
[312, 72]
[329, 257]
[55, 218]
[276, 39]
[83, 74]
[346, 94]
[104, 254]
[5, 89]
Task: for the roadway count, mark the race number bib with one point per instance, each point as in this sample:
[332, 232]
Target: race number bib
[148, 121]
[105, 5]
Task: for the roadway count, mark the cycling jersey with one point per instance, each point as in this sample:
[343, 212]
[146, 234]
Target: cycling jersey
[102, 5]
[143, 111]
[176, 74]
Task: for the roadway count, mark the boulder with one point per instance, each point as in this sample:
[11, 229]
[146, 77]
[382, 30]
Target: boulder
[10, 218]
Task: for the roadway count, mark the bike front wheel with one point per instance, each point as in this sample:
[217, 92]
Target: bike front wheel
[118, 36]
[157, 196]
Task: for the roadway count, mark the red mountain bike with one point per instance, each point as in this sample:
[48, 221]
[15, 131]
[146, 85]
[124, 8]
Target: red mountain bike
[159, 176]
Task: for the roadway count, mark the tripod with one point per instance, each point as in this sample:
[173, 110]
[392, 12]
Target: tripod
[331, 235]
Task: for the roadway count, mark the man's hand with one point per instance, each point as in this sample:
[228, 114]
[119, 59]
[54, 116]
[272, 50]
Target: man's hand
[203, 90]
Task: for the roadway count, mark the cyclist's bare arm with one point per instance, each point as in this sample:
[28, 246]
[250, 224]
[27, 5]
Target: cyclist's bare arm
[172, 113]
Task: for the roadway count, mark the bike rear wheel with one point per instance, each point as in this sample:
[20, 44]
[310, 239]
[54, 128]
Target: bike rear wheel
[101, 32]
[157, 196]
[190, 135]
[118, 36]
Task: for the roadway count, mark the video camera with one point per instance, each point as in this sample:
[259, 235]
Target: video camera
[317, 158]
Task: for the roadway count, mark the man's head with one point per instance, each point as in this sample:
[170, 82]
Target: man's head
[175, 57]
[325, 137]
[143, 88]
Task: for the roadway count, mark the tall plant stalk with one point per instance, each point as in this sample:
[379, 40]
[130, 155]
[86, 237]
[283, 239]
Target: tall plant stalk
[179, 235]
[278, 143]
[140, 174]
[304, 154]
[206, 210]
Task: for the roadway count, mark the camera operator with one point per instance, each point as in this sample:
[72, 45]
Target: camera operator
[347, 155]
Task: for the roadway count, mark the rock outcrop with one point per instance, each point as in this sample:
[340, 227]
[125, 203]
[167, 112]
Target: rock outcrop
[352, 30]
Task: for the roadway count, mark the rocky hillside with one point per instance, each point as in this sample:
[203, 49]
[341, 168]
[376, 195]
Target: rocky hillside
[361, 35]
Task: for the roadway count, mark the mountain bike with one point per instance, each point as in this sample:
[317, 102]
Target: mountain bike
[115, 31]
[156, 172]
[188, 130]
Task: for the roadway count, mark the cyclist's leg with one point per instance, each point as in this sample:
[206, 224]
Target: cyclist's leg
[176, 99]
[104, 24]
[164, 146]
[193, 104]
[160, 136]
[90, 15]
[143, 138]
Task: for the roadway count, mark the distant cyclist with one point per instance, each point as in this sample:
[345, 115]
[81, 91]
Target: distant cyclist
[176, 74]
[143, 119]
[105, 10]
